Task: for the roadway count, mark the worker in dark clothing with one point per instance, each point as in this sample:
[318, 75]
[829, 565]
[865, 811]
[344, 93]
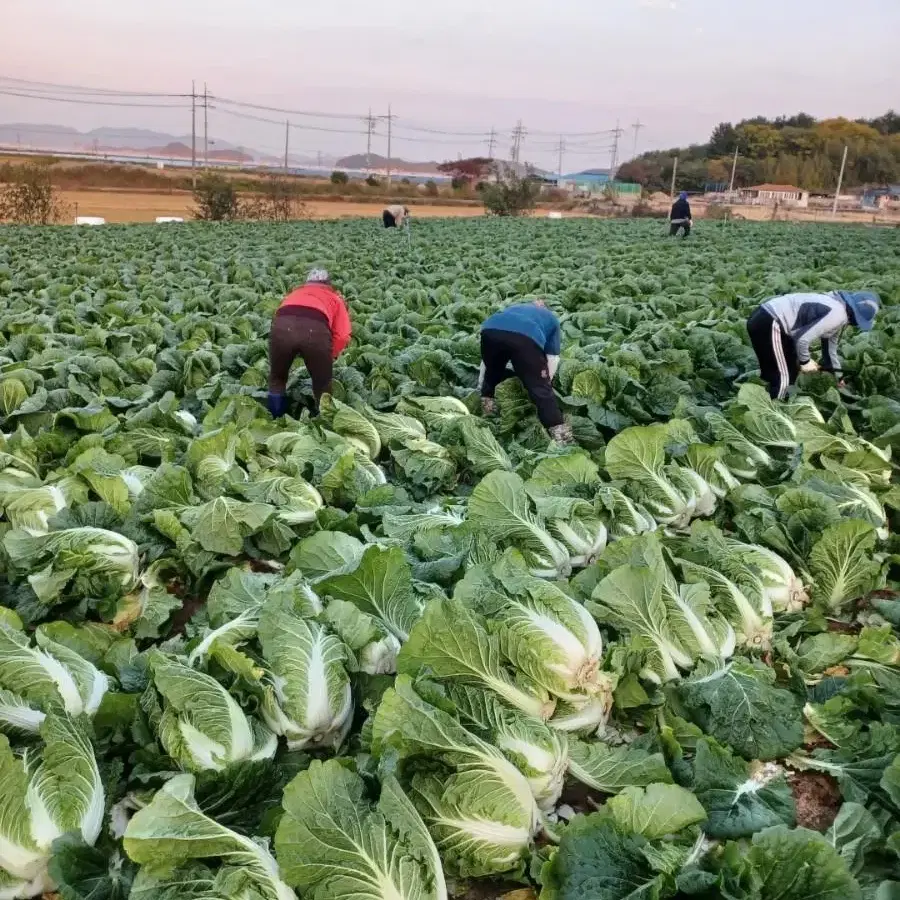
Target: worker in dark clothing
[680, 217]
[783, 328]
[526, 336]
[311, 323]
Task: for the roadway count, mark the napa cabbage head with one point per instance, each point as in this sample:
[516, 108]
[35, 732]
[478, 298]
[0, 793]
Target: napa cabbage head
[56, 789]
[202, 727]
[308, 698]
[637, 457]
[499, 508]
[172, 831]
[93, 562]
[480, 809]
[38, 680]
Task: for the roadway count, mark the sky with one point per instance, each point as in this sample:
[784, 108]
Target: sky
[561, 67]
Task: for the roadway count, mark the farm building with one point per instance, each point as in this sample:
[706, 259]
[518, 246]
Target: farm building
[880, 197]
[767, 194]
[593, 182]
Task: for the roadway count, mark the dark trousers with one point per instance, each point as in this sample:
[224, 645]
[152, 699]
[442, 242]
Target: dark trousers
[529, 365]
[304, 333]
[775, 351]
[388, 219]
[686, 226]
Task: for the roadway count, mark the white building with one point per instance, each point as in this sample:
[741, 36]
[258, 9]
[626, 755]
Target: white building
[770, 194]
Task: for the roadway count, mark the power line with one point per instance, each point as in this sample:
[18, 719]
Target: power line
[76, 89]
[280, 109]
[581, 143]
[250, 117]
[427, 130]
[85, 102]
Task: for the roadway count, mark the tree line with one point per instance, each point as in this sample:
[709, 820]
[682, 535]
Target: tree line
[796, 150]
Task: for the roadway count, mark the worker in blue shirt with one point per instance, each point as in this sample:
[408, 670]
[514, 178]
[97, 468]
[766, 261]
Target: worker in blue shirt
[526, 336]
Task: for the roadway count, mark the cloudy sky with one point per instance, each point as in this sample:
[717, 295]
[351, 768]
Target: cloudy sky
[567, 66]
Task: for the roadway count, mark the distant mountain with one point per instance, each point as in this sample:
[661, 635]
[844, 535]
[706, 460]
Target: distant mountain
[109, 140]
[374, 161]
[146, 142]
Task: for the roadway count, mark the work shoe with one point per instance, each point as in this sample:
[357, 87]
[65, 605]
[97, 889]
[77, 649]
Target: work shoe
[278, 404]
[562, 434]
[489, 406]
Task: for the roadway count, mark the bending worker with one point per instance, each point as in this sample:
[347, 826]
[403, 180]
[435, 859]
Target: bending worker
[526, 336]
[680, 216]
[395, 216]
[783, 328]
[311, 323]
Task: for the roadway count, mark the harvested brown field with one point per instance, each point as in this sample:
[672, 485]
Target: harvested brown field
[145, 206]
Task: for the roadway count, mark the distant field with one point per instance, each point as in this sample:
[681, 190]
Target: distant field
[145, 206]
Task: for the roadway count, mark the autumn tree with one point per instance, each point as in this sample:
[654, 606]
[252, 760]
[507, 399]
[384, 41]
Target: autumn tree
[471, 170]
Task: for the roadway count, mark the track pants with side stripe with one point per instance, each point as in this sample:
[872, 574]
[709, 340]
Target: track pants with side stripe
[775, 351]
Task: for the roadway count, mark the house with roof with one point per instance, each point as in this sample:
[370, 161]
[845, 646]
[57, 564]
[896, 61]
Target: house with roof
[770, 194]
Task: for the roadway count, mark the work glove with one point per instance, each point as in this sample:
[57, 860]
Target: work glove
[481, 374]
[552, 365]
[811, 366]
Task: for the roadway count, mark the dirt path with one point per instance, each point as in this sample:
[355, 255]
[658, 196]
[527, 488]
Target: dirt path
[145, 206]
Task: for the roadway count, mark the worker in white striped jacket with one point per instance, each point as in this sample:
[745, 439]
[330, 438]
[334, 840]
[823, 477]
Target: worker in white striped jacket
[783, 329]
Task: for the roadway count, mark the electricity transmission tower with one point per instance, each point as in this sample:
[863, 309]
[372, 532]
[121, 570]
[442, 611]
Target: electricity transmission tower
[637, 127]
[390, 119]
[370, 130]
[560, 147]
[205, 126]
[491, 141]
[194, 134]
[614, 157]
[518, 136]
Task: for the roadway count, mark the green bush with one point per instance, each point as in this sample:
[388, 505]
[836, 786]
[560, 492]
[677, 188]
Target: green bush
[339, 177]
[512, 196]
[216, 199]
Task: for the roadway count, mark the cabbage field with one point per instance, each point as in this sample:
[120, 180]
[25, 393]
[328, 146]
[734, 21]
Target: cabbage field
[403, 652]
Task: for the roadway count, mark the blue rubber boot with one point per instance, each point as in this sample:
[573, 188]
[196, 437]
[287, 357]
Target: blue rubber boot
[277, 404]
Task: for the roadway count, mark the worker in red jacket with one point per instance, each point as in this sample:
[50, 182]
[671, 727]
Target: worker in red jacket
[312, 323]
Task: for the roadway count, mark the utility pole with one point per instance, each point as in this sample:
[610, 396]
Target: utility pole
[733, 170]
[194, 133]
[614, 158]
[560, 148]
[637, 127]
[674, 174]
[287, 142]
[390, 119]
[205, 126]
[837, 193]
[491, 141]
